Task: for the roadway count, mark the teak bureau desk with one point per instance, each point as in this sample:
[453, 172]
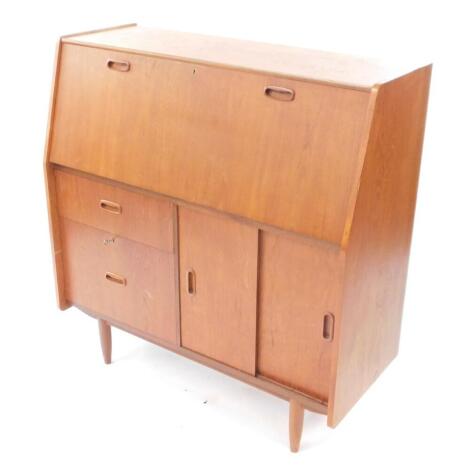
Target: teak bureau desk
[246, 205]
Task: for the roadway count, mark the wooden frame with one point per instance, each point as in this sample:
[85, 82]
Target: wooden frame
[368, 252]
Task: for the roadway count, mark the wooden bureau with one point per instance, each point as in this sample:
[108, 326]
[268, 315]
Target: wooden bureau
[246, 205]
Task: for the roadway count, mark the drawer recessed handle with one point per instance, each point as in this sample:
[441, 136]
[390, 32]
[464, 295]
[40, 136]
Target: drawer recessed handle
[110, 206]
[328, 326]
[280, 94]
[115, 278]
[118, 65]
[191, 282]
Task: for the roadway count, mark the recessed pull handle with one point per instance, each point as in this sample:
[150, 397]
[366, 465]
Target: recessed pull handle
[191, 282]
[110, 206]
[115, 278]
[278, 93]
[118, 65]
[328, 326]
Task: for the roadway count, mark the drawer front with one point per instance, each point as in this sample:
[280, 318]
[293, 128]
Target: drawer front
[212, 136]
[133, 215]
[119, 278]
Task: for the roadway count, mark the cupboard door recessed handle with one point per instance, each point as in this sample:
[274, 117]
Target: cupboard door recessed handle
[110, 206]
[116, 278]
[191, 282]
[280, 94]
[118, 65]
[328, 327]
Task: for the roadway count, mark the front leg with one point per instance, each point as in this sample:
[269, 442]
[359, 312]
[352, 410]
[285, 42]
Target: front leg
[105, 338]
[296, 423]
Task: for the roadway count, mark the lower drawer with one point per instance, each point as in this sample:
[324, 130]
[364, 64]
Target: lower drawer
[116, 277]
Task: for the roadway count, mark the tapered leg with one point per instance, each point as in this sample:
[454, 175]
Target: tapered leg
[105, 338]
[296, 423]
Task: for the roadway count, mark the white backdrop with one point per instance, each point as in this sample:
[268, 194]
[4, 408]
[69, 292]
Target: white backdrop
[60, 405]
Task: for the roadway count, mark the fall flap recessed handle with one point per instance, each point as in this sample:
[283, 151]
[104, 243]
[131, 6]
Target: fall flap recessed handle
[191, 282]
[278, 93]
[328, 326]
[115, 278]
[110, 206]
[118, 65]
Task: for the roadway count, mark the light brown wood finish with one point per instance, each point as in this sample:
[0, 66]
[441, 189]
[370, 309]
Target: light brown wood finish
[56, 242]
[296, 424]
[106, 340]
[378, 251]
[316, 242]
[298, 285]
[97, 31]
[333, 68]
[142, 218]
[54, 229]
[256, 205]
[176, 274]
[218, 316]
[146, 299]
[186, 141]
[287, 394]
[53, 214]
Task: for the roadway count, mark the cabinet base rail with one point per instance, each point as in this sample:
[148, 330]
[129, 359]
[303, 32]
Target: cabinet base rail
[297, 402]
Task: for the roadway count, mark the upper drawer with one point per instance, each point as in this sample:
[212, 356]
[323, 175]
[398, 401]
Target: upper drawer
[121, 212]
[212, 136]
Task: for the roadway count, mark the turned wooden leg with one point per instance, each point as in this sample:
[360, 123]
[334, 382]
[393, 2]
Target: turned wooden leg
[105, 338]
[296, 423]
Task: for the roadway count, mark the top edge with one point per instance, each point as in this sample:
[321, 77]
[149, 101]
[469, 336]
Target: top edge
[292, 62]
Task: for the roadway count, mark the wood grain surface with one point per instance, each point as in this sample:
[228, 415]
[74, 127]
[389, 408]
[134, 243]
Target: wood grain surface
[245, 205]
[105, 340]
[218, 317]
[298, 285]
[296, 424]
[146, 300]
[51, 197]
[141, 218]
[212, 137]
[377, 256]
[333, 68]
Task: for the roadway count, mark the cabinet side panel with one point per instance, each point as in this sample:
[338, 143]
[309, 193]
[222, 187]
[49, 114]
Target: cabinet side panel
[51, 193]
[378, 249]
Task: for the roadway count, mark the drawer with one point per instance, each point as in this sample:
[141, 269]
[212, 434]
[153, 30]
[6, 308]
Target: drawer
[116, 210]
[116, 277]
[220, 138]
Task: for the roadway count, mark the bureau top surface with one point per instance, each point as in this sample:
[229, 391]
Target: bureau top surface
[333, 68]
